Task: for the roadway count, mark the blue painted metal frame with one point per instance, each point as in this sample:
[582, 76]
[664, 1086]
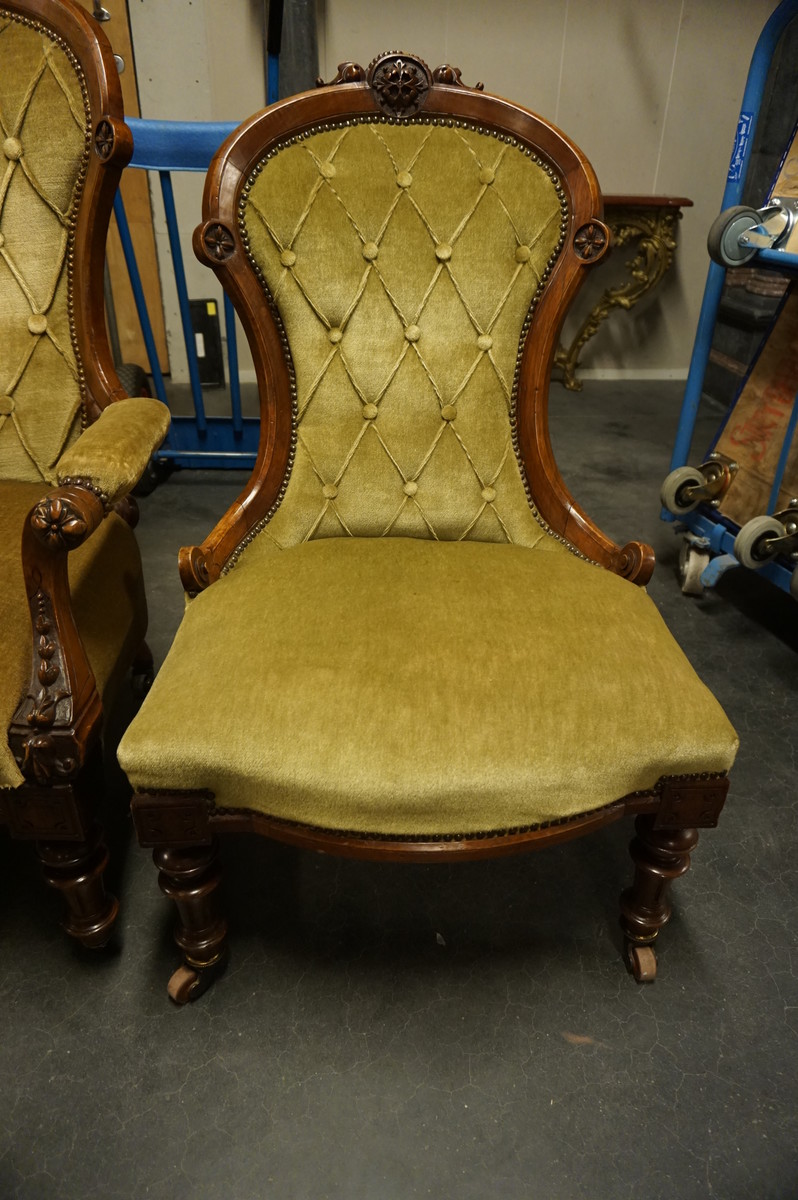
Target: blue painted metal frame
[198, 441]
[738, 168]
[704, 522]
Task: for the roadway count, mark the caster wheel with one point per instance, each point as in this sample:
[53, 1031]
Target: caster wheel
[723, 242]
[133, 379]
[182, 986]
[674, 489]
[141, 682]
[643, 962]
[189, 981]
[691, 565]
[156, 472]
[751, 544]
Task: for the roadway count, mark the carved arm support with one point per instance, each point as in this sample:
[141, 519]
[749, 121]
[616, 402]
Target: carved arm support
[59, 716]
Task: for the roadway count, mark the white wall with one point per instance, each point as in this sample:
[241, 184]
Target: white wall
[650, 90]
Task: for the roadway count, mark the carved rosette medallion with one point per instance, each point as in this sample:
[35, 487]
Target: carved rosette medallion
[104, 139]
[219, 242]
[399, 84]
[590, 241]
[56, 523]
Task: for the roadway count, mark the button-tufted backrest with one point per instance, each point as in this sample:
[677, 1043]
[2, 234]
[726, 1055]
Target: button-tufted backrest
[403, 259]
[44, 131]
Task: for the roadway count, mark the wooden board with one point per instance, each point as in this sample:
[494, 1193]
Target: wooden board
[136, 195]
[755, 430]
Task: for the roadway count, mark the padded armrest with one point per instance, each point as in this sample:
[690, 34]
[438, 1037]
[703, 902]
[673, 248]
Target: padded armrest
[113, 452]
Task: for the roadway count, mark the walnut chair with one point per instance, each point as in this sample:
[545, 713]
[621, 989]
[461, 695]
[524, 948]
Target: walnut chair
[405, 640]
[72, 444]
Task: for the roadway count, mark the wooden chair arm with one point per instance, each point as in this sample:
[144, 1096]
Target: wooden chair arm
[58, 718]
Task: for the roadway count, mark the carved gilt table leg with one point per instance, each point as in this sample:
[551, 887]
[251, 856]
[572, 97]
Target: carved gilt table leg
[652, 231]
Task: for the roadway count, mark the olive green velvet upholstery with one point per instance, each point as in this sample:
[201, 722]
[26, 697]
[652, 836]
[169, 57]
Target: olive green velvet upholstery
[396, 686]
[107, 598]
[44, 131]
[403, 647]
[403, 260]
[113, 452]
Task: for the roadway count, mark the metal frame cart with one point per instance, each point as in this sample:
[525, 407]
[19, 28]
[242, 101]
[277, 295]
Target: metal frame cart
[693, 495]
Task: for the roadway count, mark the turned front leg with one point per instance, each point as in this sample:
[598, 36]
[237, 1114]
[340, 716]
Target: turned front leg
[660, 856]
[190, 877]
[76, 869]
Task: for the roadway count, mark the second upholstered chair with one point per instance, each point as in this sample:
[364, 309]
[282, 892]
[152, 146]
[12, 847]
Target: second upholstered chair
[405, 640]
[72, 444]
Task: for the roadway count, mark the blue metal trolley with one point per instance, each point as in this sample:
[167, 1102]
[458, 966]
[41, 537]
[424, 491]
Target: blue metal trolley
[691, 496]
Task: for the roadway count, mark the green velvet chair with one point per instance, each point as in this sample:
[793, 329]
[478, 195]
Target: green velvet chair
[72, 444]
[405, 640]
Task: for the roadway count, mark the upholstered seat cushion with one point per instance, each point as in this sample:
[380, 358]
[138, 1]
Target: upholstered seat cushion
[400, 686]
[107, 598]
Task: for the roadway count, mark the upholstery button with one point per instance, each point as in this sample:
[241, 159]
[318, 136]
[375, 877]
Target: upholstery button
[6, 406]
[488, 494]
[487, 175]
[329, 491]
[370, 251]
[288, 258]
[409, 489]
[404, 179]
[484, 341]
[448, 412]
[370, 411]
[335, 336]
[37, 323]
[12, 149]
[523, 254]
[412, 333]
[443, 252]
[327, 169]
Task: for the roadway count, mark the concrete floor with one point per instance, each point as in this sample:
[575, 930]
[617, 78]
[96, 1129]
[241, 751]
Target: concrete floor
[459, 1031]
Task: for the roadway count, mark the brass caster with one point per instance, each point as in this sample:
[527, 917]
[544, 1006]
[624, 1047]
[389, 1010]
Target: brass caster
[643, 962]
[191, 980]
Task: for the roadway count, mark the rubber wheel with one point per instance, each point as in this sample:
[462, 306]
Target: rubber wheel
[643, 961]
[134, 379]
[691, 566]
[674, 487]
[749, 548]
[723, 240]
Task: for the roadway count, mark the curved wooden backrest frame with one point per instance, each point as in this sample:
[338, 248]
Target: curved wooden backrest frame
[218, 244]
[111, 147]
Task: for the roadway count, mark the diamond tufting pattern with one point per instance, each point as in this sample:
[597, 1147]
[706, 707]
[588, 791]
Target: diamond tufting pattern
[403, 260]
[44, 143]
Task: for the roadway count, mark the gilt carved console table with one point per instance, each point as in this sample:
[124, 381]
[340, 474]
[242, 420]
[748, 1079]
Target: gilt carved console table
[647, 223]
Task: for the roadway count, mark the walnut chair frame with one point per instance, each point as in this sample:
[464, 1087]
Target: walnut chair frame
[183, 827]
[55, 732]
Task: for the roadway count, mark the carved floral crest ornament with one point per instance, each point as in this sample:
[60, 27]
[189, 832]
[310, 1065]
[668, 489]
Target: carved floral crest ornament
[400, 83]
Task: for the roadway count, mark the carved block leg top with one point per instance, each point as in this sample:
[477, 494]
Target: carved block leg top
[76, 869]
[660, 856]
[190, 876]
